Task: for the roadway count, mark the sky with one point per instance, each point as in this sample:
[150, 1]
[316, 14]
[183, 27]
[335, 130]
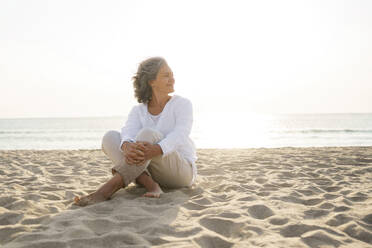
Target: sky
[76, 58]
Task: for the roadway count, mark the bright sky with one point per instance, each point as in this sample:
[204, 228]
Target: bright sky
[76, 58]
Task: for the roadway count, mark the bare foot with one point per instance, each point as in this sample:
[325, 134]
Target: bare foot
[89, 199]
[154, 192]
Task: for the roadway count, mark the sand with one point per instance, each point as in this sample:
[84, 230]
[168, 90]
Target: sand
[284, 197]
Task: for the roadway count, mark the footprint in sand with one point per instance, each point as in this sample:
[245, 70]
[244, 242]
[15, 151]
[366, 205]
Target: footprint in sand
[320, 239]
[261, 180]
[248, 198]
[347, 202]
[368, 219]
[315, 213]
[359, 197]
[306, 192]
[346, 192]
[312, 202]
[322, 181]
[290, 199]
[263, 193]
[359, 233]
[364, 160]
[7, 200]
[327, 206]
[270, 187]
[296, 230]
[260, 212]
[10, 218]
[230, 215]
[330, 196]
[278, 221]
[331, 188]
[341, 209]
[208, 241]
[224, 227]
[338, 220]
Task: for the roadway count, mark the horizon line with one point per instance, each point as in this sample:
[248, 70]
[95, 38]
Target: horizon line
[120, 116]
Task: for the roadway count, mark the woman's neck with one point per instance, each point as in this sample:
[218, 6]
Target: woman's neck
[159, 101]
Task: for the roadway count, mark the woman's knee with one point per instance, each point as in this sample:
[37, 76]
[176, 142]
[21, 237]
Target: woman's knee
[149, 135]
[110, 137]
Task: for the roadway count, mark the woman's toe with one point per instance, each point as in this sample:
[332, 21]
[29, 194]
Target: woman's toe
[152, 195]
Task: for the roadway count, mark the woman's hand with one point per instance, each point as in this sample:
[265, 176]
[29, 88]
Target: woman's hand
[133, 153]
[150, 150]
[137, 153]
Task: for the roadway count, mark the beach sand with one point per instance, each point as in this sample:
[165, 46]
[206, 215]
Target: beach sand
[282, 197]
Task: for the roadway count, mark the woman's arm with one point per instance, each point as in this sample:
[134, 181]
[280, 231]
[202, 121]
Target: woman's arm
[132, 126]
[182, 129]
[133, 155]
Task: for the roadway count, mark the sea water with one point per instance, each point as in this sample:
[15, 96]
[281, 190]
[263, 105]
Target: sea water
[210, 130]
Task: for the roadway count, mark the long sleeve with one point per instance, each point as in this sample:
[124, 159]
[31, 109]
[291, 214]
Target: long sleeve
[181, 132]
[131, 128]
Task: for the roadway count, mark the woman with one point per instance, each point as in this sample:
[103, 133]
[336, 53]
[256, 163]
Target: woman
[153, 148]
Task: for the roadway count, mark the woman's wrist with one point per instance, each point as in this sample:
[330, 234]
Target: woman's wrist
[157, 150]
[154, 150]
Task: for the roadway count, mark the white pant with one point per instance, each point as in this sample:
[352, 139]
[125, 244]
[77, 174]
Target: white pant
[170, 171]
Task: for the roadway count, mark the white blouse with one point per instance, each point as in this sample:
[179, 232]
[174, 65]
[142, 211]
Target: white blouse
[175, 123]
[155, 118]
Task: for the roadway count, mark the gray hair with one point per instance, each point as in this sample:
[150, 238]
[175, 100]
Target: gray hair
[147, 71]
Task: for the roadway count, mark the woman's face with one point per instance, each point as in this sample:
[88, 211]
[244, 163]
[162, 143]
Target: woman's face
[164, 82]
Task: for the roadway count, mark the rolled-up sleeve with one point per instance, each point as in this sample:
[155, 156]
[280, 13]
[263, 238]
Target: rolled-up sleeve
[131, 128]
[181, 132]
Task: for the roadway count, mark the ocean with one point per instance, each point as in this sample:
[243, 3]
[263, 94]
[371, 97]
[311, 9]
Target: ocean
[210, 130]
